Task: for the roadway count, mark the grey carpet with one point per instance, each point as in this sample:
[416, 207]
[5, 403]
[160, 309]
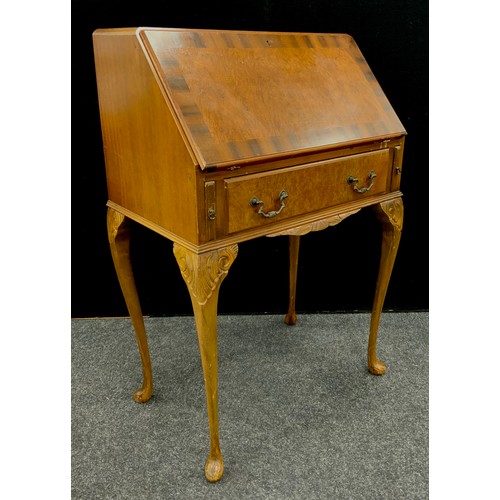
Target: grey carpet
[300, 416]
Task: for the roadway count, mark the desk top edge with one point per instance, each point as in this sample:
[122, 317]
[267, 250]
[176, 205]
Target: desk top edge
[137, 30]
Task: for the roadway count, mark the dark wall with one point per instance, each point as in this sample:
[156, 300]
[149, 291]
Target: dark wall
[338, 266]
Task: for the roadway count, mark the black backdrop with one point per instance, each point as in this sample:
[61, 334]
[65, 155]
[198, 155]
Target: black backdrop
[338, 266]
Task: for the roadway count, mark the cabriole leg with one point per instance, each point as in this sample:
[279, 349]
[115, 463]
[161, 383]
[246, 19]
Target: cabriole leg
[390, 215]
[293, 247]
[203, 274]
[119, 241]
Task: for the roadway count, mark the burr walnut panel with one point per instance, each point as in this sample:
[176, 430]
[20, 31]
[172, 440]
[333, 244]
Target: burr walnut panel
[246, 95]
[311, 187]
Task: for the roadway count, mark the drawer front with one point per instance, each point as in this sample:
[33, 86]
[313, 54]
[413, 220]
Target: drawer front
[309, 188]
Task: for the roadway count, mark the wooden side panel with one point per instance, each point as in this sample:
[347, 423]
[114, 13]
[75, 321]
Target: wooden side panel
[149, 167]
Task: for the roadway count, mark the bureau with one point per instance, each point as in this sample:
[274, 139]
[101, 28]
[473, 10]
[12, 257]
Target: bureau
[212, 138]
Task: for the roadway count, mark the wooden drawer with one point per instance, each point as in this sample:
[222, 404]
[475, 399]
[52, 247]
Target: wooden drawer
[310, 187]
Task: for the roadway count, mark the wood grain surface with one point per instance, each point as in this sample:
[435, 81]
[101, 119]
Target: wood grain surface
[240, 95]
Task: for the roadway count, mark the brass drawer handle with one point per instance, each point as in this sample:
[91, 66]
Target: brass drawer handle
[352, 179]
[254, 202]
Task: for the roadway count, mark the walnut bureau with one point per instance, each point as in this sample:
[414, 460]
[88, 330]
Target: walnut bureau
[212, 138]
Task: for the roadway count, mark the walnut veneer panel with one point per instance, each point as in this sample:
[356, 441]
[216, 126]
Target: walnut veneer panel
[245, 95]
[310, 188]
[149, 168]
